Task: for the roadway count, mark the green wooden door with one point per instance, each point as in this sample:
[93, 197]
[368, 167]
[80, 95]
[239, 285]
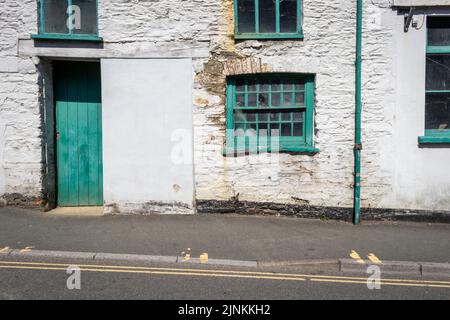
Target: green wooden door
[77, 94]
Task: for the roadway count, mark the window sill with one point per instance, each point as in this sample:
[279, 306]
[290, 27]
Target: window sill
[434, 139]
[232, 152]
[267, 36]
[67, 37]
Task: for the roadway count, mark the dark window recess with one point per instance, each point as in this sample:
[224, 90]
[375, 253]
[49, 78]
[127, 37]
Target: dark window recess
[437, 111]
[267, 18]
[88, 16]
[438, 72]
[58, 17]
[246, 14]
[438, 31]
[288, 16]
[55, 18]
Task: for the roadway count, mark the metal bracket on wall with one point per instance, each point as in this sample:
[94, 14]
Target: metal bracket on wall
[408, 18]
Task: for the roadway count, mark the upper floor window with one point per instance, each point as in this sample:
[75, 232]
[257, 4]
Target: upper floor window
[68, 19]
[437, 108]
[268, 112]
[268, 19]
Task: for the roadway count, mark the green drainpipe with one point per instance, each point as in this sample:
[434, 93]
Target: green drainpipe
[358, 103]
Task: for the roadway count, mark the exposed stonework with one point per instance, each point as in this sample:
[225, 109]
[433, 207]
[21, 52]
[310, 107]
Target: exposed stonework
[17, 199]
[223, 64]
[319, 212]
[151, 207]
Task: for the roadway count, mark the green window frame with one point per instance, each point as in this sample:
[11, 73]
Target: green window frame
[438, 47]
[270, 113]
[70, 33]
[258, 21]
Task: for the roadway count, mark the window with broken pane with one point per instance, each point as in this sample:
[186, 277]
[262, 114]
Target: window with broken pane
[262, 108]
[259, 19]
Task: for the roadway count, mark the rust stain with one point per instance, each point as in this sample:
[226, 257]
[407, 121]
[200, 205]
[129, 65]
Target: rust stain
[229, 16]
[222, 64]
[201, 102]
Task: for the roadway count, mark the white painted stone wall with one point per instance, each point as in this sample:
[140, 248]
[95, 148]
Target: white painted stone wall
[20, 135]
[392, 117]
[322, 179]
[420, 176]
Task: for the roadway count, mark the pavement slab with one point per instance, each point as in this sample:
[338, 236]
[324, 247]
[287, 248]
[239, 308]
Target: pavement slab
[224, 237]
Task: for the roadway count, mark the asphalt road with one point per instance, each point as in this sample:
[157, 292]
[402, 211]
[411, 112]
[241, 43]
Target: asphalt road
[32, 279]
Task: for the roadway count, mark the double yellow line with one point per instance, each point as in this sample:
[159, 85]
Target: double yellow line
[220, 273]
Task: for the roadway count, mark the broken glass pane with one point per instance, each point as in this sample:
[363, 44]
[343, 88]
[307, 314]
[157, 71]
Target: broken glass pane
[240, 100]
[263, 100]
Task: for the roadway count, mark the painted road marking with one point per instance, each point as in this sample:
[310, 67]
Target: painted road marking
[197, 274]
[203, 270]
[186, 255]
[354, 255]
[204, 258]
[374, 259]
[4, 250]
[222, 273]
[384, 282]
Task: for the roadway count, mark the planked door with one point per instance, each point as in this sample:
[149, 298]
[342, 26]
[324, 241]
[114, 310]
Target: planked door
[77, 94]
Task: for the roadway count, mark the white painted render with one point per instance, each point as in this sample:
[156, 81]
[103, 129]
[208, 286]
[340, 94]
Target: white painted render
[421, 174]
[147, 134]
